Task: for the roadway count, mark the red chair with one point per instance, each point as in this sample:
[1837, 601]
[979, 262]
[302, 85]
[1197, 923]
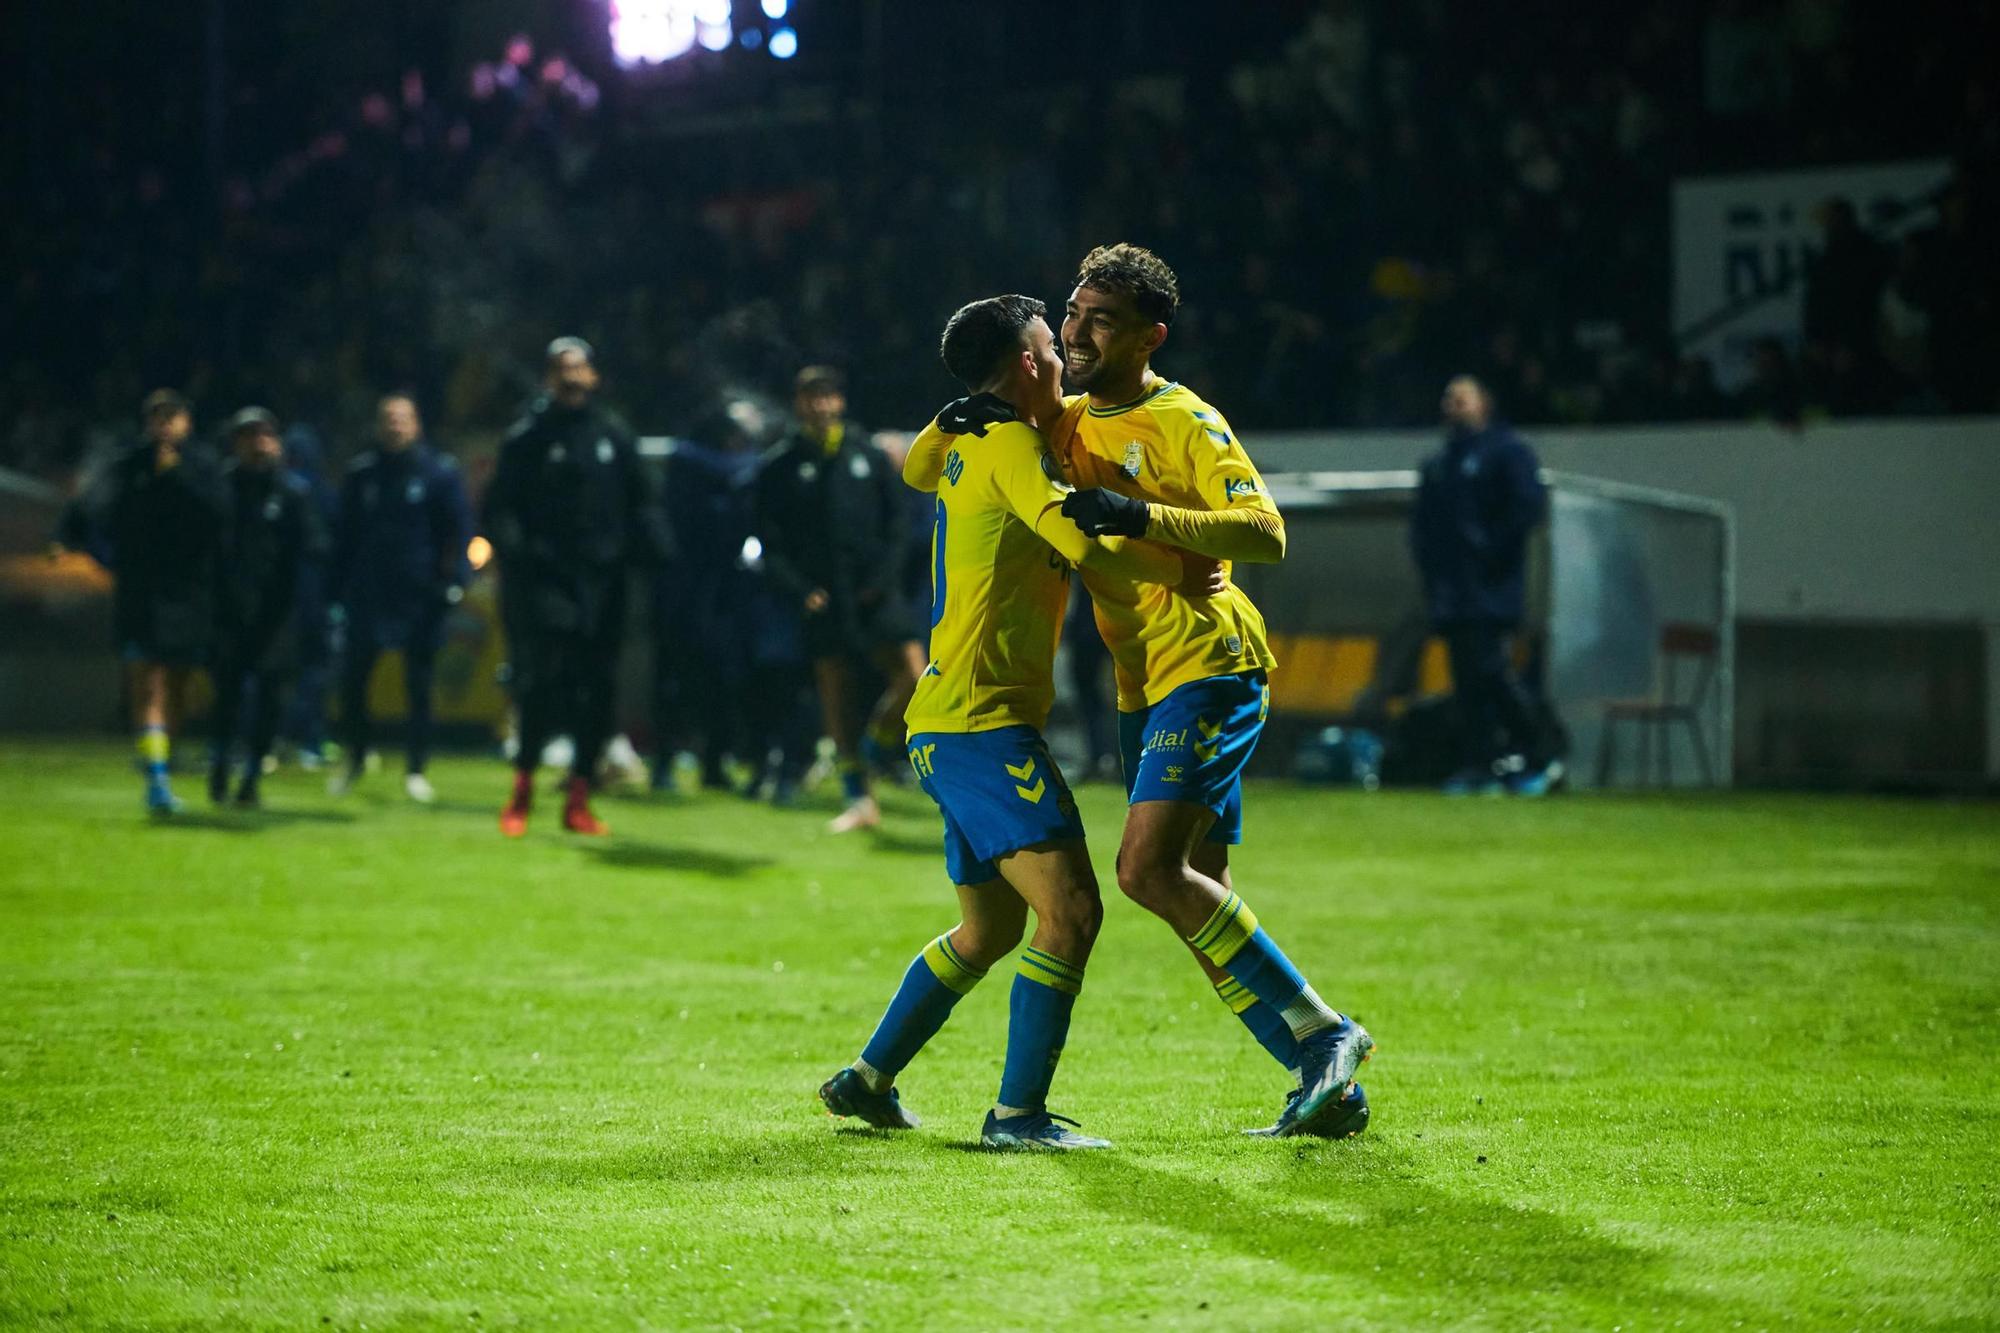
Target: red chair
[1687, 652]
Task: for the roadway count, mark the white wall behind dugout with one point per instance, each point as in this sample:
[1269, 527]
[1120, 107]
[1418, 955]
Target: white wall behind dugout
[1873, 521]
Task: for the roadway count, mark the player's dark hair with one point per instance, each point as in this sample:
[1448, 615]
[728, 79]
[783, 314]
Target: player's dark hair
[980, 337]
[1134, 272]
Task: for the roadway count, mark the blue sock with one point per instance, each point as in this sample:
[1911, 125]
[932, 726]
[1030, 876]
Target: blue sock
[853, 780]
[1234, 942]
[1038, 1009]
[1266, 1024]
[934, 983]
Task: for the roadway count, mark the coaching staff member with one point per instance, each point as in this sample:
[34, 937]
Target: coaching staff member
[1477, 501]
[569, 512]
[399, 564]
[830, 515]
[273, 530]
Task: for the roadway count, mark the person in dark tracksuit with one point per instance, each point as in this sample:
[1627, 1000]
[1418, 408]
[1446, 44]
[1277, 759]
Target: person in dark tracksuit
[400, 563]
[570, 511]
[830, 514]
[154, 518]
[271, 531]
[701, 614]
[304, 719]
[1086, 657]
[1478, 500]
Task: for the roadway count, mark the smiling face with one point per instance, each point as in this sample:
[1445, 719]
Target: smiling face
[1042, 375]
[1107, 343]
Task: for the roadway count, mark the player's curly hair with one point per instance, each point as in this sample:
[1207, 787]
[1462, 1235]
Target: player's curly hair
[982, 335]
[1133, 271]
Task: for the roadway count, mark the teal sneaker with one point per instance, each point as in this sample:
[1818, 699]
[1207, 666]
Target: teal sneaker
[1035, 1133]
[1472, 782]
[847, 1094]
[1328, 1060]
[1348, 1118]
[160, 800]
[1533, 782]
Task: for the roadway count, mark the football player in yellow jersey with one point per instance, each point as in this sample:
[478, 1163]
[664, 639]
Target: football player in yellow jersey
[1001, 559]
[1150, 459]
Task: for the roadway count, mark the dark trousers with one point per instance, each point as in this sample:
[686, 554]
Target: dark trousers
[247, 697]
[1497, 714]
[1087, 656]
[564, 683]
[419, 662]
[700, 663]
[781, 720]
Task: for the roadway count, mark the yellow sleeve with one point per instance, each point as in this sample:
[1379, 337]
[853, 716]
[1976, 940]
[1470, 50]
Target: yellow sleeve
[924, 464]
[1244, 523]
[1026, 487]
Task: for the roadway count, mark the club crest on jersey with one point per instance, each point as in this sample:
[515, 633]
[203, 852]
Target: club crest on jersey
[1236, 488]
[414, 492]
[604, 449]
[1135, 458]
[1233, 644]
[808, 471]
[858, 465]
[272, 509]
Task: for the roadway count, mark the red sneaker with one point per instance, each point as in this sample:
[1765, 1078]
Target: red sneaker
[576, 811]
[514, 819]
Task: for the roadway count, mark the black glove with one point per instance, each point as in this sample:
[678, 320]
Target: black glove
[971, 416]
[1102, 513]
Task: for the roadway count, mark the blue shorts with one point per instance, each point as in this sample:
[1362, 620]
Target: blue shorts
[999, 791]
[1193, 744]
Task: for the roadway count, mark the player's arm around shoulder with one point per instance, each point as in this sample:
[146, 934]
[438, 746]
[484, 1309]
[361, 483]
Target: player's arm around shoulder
[1241, 521]
[1029, 483]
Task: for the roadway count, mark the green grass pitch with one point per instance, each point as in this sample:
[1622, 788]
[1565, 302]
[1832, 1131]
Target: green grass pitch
[1697, 1062]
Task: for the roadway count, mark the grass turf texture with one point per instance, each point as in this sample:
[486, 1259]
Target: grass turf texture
[1646, 1063]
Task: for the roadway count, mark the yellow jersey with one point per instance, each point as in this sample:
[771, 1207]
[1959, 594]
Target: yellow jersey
[1001, 555]
[1170, 446]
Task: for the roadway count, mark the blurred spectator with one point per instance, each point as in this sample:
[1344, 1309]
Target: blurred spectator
[1843, 306]
[570, 513]
[304, 720]
[401, 563]
[1306, 183]
[830, 512]
[1960, 268]
[1477, 502]
[272, 530]
[157, 516]
[702, 618]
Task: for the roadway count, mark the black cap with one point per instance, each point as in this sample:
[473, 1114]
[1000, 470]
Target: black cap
[254, 418]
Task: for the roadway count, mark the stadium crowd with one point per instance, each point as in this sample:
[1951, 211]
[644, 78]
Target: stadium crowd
[1434, 187]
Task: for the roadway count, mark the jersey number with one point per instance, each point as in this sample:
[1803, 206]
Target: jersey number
[937, 567]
